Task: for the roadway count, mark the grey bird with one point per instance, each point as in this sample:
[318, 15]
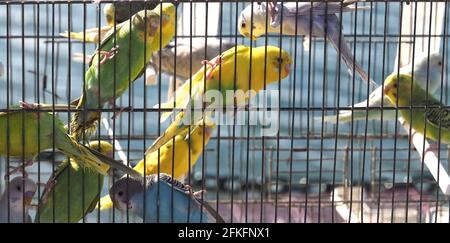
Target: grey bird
[19, 195]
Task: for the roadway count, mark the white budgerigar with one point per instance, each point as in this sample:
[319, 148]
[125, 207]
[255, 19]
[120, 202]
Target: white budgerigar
[423, 62]
[308, 19]
[20, 193]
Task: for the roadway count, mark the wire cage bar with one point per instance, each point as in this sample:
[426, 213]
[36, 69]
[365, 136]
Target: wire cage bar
[332, 157]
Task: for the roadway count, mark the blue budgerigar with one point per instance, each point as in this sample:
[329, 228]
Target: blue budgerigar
[183, 206]
[295, 19]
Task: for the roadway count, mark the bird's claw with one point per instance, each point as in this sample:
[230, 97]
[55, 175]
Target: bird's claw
[189, 189]
[432, 148]
[273, 10]
[122, 109]
[20, 168]
[213, 64]
[26, 105]
[108, 55]
[48, 187]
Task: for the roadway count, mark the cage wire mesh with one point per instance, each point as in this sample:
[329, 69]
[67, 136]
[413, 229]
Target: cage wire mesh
[310, 170]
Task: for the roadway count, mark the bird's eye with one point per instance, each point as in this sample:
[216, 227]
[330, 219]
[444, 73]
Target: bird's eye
[395, 85]
[120, 193]
[18, 188]
[280, 60]
[243, 25]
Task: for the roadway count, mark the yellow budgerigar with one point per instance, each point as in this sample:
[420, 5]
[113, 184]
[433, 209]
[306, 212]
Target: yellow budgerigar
[173, 156]
[229, 71]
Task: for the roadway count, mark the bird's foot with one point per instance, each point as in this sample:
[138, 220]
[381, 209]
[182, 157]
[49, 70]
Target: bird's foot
[214, 63]
[432, 148]
[121, 110]
[20, 168]
[108, 55]
[26, 105]
[48, 188]
[198, 193]
[273, 10]
[191, 191]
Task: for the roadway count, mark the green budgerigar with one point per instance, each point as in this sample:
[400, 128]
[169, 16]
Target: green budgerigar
[405, 92]
[119, 60]
[76, 191]
[24, 133]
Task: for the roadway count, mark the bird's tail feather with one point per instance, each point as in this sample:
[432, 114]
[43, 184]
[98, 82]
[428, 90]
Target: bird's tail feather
[166, 105]
[118, 165]
[90, 37]
[359, 115]
[173, 130]
[81, 153]
[213, 212]
[333, 34]
[344, 117]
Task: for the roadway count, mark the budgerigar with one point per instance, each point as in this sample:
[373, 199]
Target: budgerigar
[418, 107]
[269, 64]
[119, 61]
[76, 191]
[187, 55]
[426, 67]
[166, 200]
[19, 194]
[173, 156]
[324, 21]
[42, 130]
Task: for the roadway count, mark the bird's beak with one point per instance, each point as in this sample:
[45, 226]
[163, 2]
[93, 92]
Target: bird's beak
[287, 68]
[247, 34]
[208, 131]
[129, 205]
[28, 197]
[387, 89]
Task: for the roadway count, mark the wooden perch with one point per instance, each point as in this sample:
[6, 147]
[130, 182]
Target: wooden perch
[117, 145]
[431, 159]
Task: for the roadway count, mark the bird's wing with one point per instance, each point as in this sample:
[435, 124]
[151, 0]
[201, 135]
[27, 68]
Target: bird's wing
[178, 185]
[320, 8]
[438, 116]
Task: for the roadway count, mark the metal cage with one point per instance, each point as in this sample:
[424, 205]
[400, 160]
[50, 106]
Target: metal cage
[365, 170]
